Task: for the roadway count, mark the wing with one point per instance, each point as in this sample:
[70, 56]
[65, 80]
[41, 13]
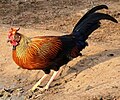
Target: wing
[41, 51]
[46, 47]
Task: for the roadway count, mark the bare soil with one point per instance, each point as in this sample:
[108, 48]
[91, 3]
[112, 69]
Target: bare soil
[94, 76]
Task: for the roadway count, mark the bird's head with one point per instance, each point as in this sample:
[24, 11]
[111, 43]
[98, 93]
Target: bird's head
[14, 37]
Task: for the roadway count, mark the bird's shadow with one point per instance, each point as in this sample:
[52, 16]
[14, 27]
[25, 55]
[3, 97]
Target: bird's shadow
[91, 61]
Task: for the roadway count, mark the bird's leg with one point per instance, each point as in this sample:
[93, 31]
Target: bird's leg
[59, 72]
[55, 74]
[51, 79]
[39, 82]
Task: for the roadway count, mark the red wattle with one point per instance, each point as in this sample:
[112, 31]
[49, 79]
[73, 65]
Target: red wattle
[14, 43]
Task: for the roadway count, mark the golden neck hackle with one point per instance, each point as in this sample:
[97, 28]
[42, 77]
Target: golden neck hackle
[23, 45]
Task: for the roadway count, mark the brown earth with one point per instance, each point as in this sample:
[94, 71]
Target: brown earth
[94, 76]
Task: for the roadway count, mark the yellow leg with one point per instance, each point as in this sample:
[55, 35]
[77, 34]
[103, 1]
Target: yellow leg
[55, 75]
[59, 72]
[51, 79]
[39, 82]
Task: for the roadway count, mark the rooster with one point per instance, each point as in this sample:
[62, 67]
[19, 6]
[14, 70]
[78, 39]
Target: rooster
[51, 52]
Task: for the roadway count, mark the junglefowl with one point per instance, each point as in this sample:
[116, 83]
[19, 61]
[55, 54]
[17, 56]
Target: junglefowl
[51, 52]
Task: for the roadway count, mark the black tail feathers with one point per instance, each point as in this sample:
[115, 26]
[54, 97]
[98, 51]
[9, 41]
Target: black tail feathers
[99, 7]
[90, 22]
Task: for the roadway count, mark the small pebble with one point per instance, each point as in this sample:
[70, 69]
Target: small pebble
[88, 87]
[110, 55]
[9, 90]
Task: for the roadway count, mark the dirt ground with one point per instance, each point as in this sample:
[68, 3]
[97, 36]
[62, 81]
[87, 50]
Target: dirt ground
[94, 76]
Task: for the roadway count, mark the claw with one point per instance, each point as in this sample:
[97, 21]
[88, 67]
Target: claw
[34, 89]
[42, 89]
[39, 88]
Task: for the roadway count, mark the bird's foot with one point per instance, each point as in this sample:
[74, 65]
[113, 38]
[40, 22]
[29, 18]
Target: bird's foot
[34, 89]
[43, 89]
[39, 89]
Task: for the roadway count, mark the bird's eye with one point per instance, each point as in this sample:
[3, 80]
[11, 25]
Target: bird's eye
[17, 37]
